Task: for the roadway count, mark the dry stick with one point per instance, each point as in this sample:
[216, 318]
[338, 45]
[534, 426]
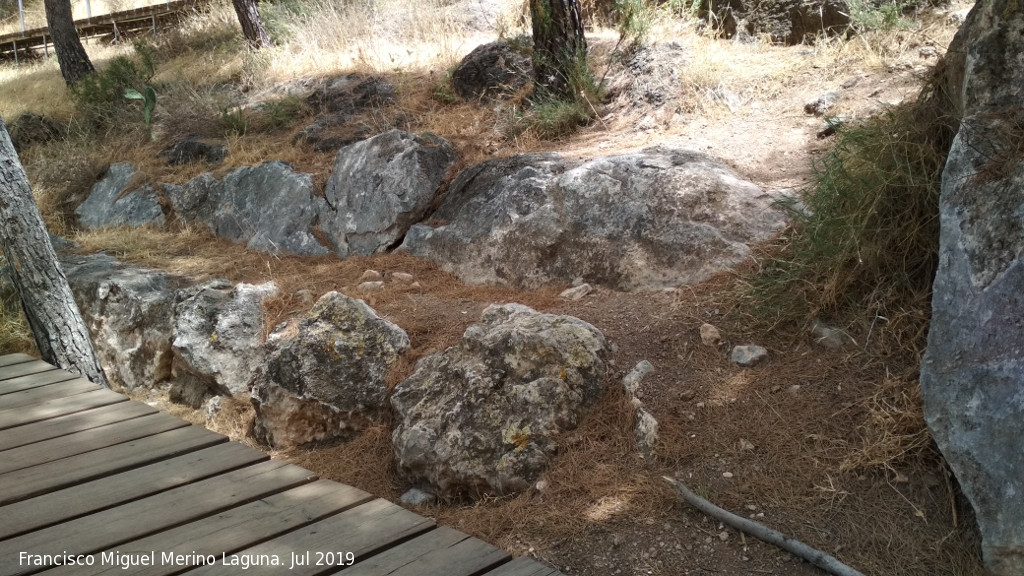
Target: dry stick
[762, 532]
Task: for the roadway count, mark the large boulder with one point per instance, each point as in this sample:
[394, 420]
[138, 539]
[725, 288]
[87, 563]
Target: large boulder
[658, 218]
[481, 417]
[130, 315]
[328, 375]
[218, 340]
[270, 207]
[380, 187]
[109, 205]
[788, 22]
[494, 69]
[972, 375]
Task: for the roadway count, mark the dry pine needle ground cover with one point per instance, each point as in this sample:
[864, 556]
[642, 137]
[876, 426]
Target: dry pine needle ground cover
[828, 446]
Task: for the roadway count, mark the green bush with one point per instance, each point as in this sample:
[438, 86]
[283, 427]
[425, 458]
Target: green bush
[100, 96]
[862, 250]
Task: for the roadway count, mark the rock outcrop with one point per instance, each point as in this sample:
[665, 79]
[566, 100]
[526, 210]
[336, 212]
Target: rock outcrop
[480, 417]
[788, 22]
[130, 315]
[270, 207]
[218, 340]
[109, 205]
[328, 374]
[972, 376]
[492, 70]
[380, 187]
[654, 219]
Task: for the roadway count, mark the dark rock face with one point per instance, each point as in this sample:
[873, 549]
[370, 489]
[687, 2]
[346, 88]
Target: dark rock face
[788, 22]
[481, 417]
[269, 207]
[380, 187]
[108, 205]
[972, 375]
[649, 220]
[28, 129]
[193, 150]
[329, 376]
[492, 70]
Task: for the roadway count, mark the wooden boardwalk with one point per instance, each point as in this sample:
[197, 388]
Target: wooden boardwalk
[92, 483]
[114, 25]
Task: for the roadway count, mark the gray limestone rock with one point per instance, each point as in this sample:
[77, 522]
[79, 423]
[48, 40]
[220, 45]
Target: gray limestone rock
[218, 340]
[482, 417]
[972, 375]
[328, 374]
[491, 70]
[748, 355]
[380, 187]
[108, 205]
[269, 207]
[650, 220]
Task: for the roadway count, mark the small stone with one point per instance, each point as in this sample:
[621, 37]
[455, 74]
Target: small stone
[829, 337]
[541, 485]
[748, 355]
[819, 105]
[850, 82]
[212, 407]
[632, 380]
[415, 286]
[723, 536]
[576, 293]
[417, 497]
[370, 276]
[370, 286]
[727, 474]
[794, 388]
[710, 335]
[403, 277]
[746, 445]
[305, 296]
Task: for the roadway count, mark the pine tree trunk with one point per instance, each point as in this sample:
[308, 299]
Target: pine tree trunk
[74, 62]
[252, 24]
[60, 332]
[559, 47]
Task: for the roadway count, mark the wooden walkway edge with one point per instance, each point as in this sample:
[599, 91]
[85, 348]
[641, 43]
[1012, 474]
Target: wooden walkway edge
[93, 483]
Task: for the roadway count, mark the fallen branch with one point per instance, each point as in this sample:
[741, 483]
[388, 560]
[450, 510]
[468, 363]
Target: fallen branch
[762, 532]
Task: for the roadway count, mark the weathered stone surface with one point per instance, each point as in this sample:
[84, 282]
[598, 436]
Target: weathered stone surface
[709, 334]
[218, 340]
[107, 205]
[972, 376]
[29, 128]
[650, 220]
[269, 207]
[786, 21]
[130, 314]
[492, 70]
[329, 375]
[192, 150]
[380, 187]
[480, 417]
[748, 354]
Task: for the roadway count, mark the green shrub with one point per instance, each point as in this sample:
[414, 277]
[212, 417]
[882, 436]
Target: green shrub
[863, 249]
[100, 96]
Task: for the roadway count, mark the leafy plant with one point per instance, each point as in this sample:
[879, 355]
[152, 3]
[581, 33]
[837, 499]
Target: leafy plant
[148, 99]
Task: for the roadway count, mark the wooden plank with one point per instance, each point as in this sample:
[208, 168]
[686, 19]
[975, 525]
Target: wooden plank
[59, 407]
[35, 480]
[363, 531]
[169, 509]
[442, 552]
[57, 506]
[24, 368]
[34, 380]
[524, 567]
[8, 359]
[64, 425]
[234, 529]
[44, 393]
[86, 441]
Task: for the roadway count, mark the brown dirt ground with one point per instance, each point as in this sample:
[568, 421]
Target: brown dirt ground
[839, 458]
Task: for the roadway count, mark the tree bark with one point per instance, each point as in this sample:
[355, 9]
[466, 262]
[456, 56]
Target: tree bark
[74, 62]
[60, 333]
[559, 47]
[252, 24]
